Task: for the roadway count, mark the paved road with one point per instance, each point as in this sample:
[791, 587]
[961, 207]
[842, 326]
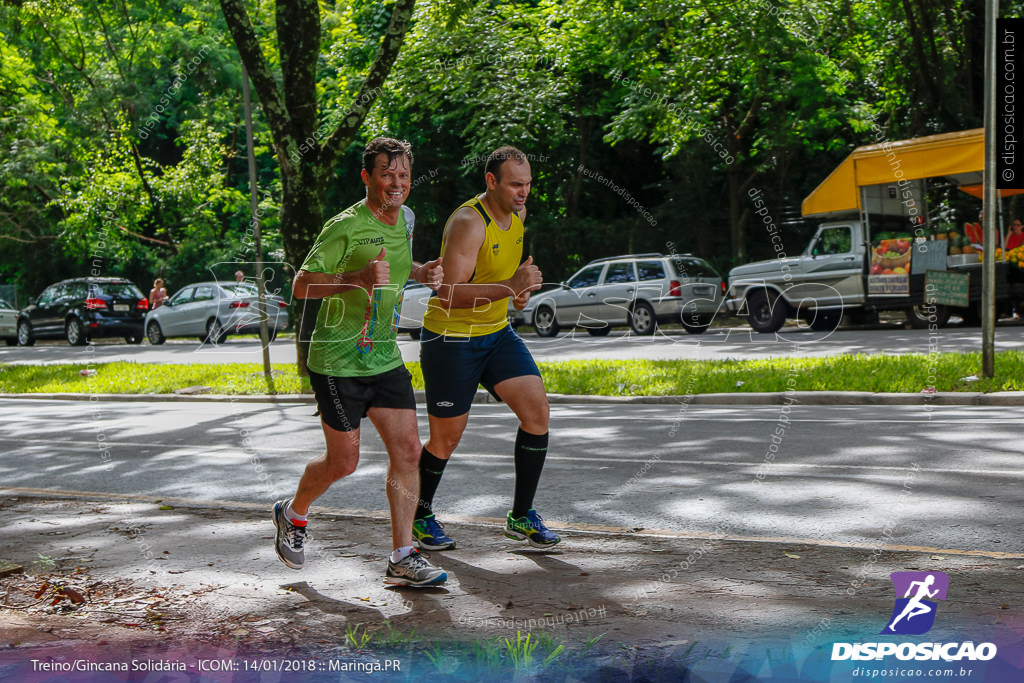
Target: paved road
[735, 342]
[940, 478]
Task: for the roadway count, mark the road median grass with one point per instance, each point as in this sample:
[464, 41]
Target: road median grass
[909, 373]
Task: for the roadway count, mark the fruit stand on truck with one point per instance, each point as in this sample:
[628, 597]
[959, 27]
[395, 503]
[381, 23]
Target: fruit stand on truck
[877, 247]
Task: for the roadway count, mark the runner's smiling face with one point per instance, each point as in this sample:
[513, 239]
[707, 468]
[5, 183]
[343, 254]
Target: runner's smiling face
[511, 190]
[387, 187]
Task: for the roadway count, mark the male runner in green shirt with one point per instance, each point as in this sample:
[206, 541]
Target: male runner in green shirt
[359, 265]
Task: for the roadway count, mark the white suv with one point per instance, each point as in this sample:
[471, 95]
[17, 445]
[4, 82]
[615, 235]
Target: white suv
[639, 290]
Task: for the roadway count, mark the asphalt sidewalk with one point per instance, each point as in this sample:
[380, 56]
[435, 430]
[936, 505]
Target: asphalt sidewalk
[103, 572]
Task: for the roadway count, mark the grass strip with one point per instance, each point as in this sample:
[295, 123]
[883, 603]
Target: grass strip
[908, 373]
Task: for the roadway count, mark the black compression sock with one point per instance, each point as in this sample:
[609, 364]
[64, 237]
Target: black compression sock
[431, 469]
[531, 449]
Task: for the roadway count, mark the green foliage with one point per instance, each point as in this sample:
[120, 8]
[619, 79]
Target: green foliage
[121, 121]
[145, 378]
[357, 636]
[487, 655]
[908, 373]
[392, 638]
[520, 651]
[443, 662]
[127, 115]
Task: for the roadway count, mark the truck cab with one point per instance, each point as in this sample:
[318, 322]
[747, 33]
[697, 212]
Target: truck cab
[818, 285]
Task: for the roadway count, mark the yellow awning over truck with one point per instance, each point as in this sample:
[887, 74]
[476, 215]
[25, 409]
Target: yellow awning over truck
[960, 156]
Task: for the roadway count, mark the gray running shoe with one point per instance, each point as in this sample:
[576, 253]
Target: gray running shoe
[290, 538]
[414, 570]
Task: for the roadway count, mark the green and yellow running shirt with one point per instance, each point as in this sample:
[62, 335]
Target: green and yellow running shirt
[497, 260]
[355, 333]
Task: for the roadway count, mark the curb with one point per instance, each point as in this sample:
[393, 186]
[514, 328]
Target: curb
[820, 398]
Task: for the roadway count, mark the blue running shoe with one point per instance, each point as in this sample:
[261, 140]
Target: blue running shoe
[430, 534]
[530, 527]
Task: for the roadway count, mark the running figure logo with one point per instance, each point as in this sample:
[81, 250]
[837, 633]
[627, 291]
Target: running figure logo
[914, 612]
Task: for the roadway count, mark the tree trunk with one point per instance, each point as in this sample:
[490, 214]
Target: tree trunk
[307, 155]
[302, 218]
[739, 247]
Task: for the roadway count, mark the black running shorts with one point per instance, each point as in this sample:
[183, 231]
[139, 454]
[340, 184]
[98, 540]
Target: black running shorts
[343, 401]
[453, 367]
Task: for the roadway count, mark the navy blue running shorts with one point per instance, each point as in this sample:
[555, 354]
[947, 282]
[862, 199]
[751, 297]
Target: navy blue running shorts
[453, 367]
[343, 401]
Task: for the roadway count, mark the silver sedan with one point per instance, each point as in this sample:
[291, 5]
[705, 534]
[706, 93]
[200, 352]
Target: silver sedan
[8, 323]
[414, 306]
[211, 311]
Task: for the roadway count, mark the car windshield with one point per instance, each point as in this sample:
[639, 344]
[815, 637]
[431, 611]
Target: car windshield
[4, 304]
[119, 290]
[587, 277]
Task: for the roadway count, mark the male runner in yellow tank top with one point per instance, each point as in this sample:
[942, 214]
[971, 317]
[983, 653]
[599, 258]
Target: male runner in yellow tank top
[467, 341]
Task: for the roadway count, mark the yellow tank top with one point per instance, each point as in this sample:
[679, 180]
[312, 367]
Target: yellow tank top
[497, 260]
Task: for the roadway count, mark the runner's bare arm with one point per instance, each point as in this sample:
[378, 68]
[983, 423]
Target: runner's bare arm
[311, 285]
[464, 236]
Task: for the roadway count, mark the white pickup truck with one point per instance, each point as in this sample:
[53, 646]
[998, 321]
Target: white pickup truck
[851, 267]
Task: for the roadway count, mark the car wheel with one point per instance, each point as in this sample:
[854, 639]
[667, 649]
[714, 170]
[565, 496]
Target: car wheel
[599, 331]
[920, 318]
[25, 336]
[155, 334]
[215, 334]
[765, 313]
[271, 333]
[825, 322]
[544, 322]
[695, 325]
[415, 334]
[971, 315]
[74, 332]
[641, 318]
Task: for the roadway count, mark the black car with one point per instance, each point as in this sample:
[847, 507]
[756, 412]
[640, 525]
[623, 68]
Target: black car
[85, 308]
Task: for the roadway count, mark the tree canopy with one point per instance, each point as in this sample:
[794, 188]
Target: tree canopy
[647, 122]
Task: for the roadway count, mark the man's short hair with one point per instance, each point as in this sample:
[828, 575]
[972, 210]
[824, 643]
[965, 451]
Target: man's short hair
[499, 157]
[390, 146]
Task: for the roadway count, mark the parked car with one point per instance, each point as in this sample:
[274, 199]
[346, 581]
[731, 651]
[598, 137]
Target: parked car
[211, 311]
[82, 308]
[639, 290]
[8, 323]
[414, 306]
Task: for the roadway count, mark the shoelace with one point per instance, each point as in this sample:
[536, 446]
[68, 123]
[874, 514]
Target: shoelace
[296, 537]
[537, 523]
[417, 561]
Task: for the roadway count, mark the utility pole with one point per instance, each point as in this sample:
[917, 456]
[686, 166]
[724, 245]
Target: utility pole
[254, 206]
[990, 198]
